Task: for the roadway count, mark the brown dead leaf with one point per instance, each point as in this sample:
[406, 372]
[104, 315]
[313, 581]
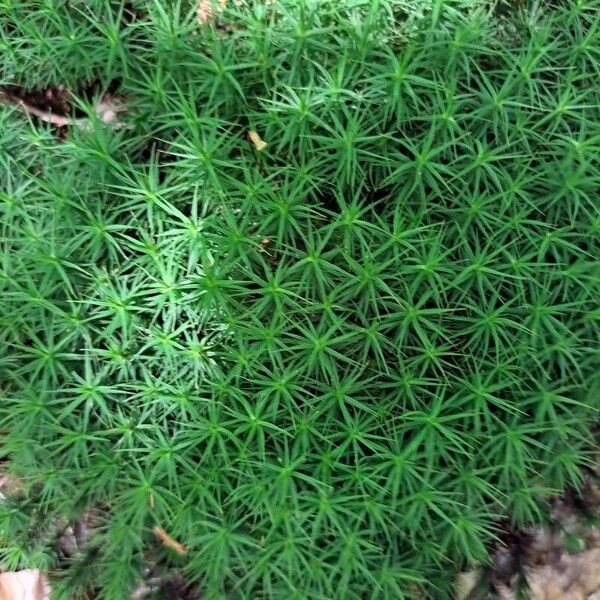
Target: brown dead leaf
[570, 577]
[259, 144]
[208, 9]
[29, 584]
[168, 541]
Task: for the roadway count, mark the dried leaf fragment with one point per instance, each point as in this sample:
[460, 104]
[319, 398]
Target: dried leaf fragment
[259, 144]
[168, 541]
[108, 110]
[29, 584]
[205, 12]
[9, 485]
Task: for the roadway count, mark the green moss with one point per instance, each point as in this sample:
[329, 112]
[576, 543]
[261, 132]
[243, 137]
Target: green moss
[329, 368]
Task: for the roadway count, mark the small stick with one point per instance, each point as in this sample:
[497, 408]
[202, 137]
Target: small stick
[48, 117]
[107, 114]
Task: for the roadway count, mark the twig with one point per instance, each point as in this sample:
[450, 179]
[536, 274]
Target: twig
[104, 111]
[48, 117]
